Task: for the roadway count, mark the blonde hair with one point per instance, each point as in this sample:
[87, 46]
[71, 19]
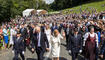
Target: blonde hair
[48, 26]
[55, 32]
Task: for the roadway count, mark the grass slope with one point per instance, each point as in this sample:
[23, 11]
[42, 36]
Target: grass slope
[99, 6]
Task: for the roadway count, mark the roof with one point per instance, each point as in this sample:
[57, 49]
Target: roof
[39, 11]
[28, 10]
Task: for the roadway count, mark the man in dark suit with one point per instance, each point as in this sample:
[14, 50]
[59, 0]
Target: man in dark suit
[54, 27]
[18, 47]
[42, 27]
[102, 52]
[71, 33]
[31, 30]
[40, 43]
[23, 31]
[24, 34]
[67, 30]
[75, 45]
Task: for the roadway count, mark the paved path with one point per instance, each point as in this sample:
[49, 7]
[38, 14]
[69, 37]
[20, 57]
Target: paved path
[64, 55]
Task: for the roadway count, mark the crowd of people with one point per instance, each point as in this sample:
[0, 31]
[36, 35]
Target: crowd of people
[84, 34]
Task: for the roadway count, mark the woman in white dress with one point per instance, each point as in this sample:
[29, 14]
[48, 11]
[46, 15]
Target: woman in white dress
[55, 40]
[48, 34]
[12, 33]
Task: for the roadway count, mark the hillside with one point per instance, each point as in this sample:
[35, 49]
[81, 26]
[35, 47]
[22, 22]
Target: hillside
[99, 6]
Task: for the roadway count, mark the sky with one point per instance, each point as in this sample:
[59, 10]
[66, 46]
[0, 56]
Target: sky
[49, 1]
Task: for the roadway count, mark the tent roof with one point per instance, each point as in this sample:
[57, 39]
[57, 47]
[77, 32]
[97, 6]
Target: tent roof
[39, 11]
[28, 10]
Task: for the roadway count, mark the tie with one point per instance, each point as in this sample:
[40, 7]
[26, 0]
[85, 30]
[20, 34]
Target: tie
[38, 40]
[38, 36]
[67, 31]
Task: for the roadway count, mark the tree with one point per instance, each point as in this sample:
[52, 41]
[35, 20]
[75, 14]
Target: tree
[5, 10]
[11, 8]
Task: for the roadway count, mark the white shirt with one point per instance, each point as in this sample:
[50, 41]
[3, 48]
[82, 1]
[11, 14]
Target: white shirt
[48, 34]
[13, 32]
[5, 32]
[91, 35]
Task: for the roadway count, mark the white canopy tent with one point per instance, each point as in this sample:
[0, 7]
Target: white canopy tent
[27, 12]
[42, 12]
[38, 11]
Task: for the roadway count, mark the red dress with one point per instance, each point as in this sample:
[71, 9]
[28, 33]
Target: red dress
[90, 47]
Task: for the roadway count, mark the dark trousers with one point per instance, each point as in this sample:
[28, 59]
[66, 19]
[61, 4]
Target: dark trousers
[74, 55]
[17, 54]
[25, 44]
[67, 40]
[40, 53]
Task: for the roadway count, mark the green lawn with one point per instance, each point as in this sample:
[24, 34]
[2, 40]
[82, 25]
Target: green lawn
[100, 6]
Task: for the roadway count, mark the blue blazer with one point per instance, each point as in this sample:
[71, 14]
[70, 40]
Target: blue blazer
[75, 43]
[53, 28]
[18, 44]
